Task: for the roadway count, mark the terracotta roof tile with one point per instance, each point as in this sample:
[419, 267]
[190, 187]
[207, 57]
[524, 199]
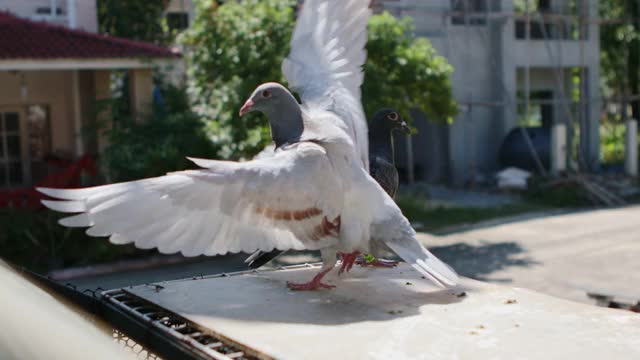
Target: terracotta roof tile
[25, 39]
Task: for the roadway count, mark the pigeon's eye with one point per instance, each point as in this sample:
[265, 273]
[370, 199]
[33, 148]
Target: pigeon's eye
[266, 94]
[393, 116]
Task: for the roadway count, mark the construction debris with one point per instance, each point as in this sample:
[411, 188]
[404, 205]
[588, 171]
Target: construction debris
[513, 178]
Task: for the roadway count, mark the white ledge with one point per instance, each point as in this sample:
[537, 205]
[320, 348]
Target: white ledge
[394, 314]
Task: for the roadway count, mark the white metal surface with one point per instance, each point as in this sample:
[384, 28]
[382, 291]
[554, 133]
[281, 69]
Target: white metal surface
[394, 314]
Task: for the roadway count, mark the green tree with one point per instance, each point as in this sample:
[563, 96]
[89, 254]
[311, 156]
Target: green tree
[235, 46]
[141, 20]
[159, 144]
[620, 50]
[405, 72]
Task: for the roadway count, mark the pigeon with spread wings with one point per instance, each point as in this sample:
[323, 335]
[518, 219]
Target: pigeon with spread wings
[312, 192]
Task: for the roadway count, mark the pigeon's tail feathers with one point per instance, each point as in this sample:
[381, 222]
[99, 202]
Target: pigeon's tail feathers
[260, 258]
[411, 251]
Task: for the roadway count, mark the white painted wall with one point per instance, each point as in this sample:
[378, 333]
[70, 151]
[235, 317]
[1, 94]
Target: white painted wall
[85, 12]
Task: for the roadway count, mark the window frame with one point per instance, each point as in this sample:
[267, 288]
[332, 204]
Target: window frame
[24, 158]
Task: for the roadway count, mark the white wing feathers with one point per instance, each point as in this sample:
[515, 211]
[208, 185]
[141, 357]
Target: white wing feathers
[286, 202]
[326, 59]
[328, 48]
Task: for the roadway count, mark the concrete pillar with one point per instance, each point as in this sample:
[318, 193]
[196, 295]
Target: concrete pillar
[102, 81]
[141, 92]
[77, 113]
[558, 148]
[592, 51]
[631, 148]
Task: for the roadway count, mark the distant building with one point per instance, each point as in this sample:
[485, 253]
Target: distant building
[54, 68]
[497, 61]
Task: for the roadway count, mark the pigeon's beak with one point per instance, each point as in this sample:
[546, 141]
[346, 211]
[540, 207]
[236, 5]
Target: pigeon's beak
[247, 107]
[405, 128]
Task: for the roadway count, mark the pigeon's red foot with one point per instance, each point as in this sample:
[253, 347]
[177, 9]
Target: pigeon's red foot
[315, 284]
[376, 263]
[348, 259]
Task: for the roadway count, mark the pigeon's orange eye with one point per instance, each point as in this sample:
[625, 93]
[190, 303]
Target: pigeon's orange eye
[393, 116]
[266, 94]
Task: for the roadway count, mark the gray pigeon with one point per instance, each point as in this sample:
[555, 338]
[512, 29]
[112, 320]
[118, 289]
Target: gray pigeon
[381, 160]
[381, 167]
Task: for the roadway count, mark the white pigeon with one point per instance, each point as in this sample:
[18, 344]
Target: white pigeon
[325, 63]
[312, 192]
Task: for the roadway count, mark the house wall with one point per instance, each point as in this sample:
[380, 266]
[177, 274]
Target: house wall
[181, 6]
[51, 88]
[85, 12]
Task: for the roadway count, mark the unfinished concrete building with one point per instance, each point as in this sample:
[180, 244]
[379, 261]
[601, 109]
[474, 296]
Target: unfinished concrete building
[515, 65]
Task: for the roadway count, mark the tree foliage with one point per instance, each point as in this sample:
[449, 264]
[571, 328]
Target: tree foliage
[159, 144]
[405, 72]
[235, 46]
[141, 20]
[620, 50]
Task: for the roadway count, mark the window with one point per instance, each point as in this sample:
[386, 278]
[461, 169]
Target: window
[46, 10]
[25, 144]
[469, 12]
[177, 21]
[540, 109]
[547, 22]
[11, 172]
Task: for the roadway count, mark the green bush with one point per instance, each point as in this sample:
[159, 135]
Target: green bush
[155, 146]
[567, 194]
[35, 240]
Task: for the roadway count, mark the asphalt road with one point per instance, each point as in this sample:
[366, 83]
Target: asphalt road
[565, 255]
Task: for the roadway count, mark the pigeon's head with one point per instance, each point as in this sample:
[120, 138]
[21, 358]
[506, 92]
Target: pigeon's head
[391, 120]
[266, 97]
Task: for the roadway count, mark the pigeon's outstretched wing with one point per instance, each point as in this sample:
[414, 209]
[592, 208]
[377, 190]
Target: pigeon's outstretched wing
[284, 202]
[326, 59]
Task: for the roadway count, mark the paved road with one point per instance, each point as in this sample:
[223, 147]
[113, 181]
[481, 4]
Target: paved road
[565, 255]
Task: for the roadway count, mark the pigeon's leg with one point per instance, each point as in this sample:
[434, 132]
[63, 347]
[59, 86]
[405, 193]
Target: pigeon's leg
[328, 262]
[369, 260]
[315, 284]
[348, 259]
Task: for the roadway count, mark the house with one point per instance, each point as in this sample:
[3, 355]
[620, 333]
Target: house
[514, 66]
[54, 70]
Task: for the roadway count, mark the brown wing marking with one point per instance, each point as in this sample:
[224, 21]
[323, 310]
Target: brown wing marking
[326, 228]
[296, 215]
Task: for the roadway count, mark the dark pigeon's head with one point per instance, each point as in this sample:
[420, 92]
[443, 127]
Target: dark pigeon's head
[391, 120]
[267, 97]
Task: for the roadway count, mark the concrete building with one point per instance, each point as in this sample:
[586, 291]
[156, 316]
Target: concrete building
[500, 53]
[54, 69]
